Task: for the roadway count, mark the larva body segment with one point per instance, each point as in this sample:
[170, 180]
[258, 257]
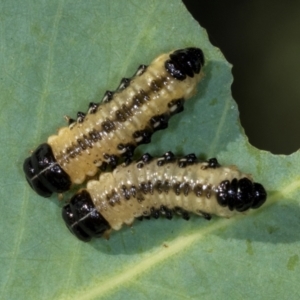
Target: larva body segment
[162, 186]
[126, 118]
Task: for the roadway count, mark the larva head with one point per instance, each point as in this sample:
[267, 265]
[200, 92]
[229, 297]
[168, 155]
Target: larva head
[241, 195]
[82, 218]
[43, 173]
[185, 62]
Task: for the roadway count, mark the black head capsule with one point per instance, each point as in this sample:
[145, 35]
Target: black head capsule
[241, 195]
[43, 173]
[82, 218]
[185, 62]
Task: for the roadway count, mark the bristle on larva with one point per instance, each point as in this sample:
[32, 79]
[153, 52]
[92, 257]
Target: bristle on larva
[164, 186]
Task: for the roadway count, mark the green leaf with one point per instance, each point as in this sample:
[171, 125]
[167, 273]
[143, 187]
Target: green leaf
[56, 57]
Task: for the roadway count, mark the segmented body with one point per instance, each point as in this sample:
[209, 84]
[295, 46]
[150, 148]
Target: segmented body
[124, 119]
[167, 185]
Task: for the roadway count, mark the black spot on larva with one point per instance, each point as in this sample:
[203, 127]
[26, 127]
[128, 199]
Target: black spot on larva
[241, 194]
[166, 212]
[43, 173]
[127, 111]
[123, 114]
[181, 212]
[125, 192]
[222, 193]
[81, 144]
[133, 191]
[187, 160]
[166, 186]
[177, 188]
[112, 160]
[154, 213]
[191, 158]
[70, 152]
[182, 163]
[198, 190]
[148, 187]
[156, 85]
[127, 150]
[121, 147]
[108, 126]
[127, 161]
[94, 135]
[176, 106]
[82, 218]
[213, 163]
[158, 186]
[141, 70]
[205, 215]
[120, 116]
[140, 165]
[161, 161]
[142, 136]
[137, 101]
[140, 98]
[80, 117]
[145, 159]
[144, 95]
[186, 188]
[208, 192]
[168, 157]
[93, 107]
[123, 84]
[143, 187]
[113, 198]
[108, 96]
[88, 141]
[159, 122]
[185, 62]
[181, 187]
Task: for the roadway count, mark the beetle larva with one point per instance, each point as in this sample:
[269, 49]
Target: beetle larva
[126, 118]
[161, 186]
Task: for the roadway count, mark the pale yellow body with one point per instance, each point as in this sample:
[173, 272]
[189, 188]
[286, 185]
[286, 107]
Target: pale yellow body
[124, 211]
[87, 161]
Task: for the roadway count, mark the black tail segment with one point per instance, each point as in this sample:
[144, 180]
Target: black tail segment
[185, 62]
[241, 195]
[43, 174]
[82, 218]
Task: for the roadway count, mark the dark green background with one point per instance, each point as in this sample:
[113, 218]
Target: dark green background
[261, 38]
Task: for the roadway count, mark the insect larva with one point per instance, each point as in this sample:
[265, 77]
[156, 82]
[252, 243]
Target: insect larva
[164, 186]
[126, 118]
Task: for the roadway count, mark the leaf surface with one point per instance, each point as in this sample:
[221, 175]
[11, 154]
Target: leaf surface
[56, 57]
